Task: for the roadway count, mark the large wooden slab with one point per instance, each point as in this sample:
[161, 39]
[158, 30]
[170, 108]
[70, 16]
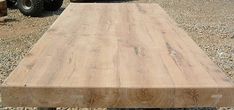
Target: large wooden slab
[3, 8]
[116, 55]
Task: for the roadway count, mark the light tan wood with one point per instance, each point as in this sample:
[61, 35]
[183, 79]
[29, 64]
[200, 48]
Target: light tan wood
[116, 55]
[3, 8]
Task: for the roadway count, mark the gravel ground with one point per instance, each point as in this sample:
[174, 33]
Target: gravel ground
[210, 23]
[17, 35]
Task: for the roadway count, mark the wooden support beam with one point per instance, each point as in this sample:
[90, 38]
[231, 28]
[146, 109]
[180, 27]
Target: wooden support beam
[3, 8]
[124, 55]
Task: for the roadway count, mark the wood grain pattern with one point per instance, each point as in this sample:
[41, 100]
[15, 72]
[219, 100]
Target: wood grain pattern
[3, 8]
[116, 55]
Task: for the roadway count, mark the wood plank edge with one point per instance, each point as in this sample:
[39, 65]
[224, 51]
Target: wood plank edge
[117, 98]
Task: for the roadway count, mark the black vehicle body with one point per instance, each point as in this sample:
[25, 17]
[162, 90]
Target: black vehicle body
[35, 7]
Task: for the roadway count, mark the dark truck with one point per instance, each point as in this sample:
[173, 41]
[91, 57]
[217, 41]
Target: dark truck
[35, 7]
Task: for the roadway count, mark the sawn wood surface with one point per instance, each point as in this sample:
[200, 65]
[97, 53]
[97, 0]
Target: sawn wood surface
[116, 55]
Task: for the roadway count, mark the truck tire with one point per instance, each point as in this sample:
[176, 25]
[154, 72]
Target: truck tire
[78, 1]
[11, 4]
[30, 7]
[52, 5]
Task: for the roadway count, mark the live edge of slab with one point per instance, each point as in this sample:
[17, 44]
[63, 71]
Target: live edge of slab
[116, 55]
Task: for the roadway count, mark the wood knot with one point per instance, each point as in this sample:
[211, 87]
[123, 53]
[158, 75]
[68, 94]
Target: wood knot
[144, 95]
[139, 51]
[194, 95]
